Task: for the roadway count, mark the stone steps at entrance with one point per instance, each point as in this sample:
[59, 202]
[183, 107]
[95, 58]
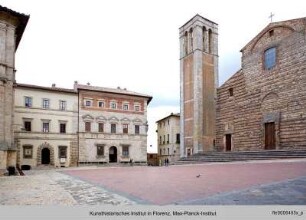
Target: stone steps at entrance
[242, 156]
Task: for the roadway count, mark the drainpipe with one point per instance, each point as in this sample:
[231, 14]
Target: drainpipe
[78, 136]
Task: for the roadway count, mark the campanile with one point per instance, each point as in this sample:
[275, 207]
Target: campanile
[198, 83]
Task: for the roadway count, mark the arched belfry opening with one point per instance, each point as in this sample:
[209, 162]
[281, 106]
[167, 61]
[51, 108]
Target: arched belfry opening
[204, 38]
[210, 41]
[191, 39]
[186, 43]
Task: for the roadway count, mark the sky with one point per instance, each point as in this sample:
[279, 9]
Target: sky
[133, 44]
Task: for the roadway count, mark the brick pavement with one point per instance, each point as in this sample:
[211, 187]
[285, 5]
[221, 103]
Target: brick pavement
[177, 184]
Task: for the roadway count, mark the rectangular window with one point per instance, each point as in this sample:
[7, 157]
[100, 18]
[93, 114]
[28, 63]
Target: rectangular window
[168, 137]
[113, 105]
[100, 104]
[137, 108]
[137, 130]
[231, 91]
[62, 151]
[27, 126]
[125, 151]
[62, 128]
[87, 126]
[270, 58]
[125, 128]
[28, 102]
[46, 103]
[46, 126]
[125, 107]
[62, 105]
[113, 128]
[88, 103]
[27, 151]
[164, 139]
[101, 127]
[100, 150]
[160, 140]
[177, 138]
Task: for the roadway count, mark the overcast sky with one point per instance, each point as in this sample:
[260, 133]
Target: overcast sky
[133, 43]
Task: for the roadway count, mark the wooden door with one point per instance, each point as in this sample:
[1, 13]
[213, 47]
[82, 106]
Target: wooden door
[270, 136]
[228, 142]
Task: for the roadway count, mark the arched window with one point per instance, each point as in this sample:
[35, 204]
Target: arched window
[204, 38]
[270, 58]
[186, 43]
[191, 39]
[210, 41]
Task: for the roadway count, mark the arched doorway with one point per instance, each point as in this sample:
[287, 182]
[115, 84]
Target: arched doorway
[45, 156]
[113, 154]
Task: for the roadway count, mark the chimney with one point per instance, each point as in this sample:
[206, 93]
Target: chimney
[75, 86]
[53, 85]
[118, 87]
[88, 84]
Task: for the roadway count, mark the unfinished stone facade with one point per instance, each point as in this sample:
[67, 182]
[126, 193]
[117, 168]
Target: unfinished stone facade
[168, 133]
[12, 25]
[263, 105]
[199, 80]
[112, 125]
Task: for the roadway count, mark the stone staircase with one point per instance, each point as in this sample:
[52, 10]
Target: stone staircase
[208, 157]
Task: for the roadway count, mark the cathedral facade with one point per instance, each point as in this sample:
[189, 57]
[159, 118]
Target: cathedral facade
[263, 105]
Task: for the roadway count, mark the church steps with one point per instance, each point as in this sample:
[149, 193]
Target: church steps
[242, 156]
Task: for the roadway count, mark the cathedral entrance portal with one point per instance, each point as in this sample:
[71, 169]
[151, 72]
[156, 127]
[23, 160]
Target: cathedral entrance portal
[270, 136]
[113, 154]
[228, 142]
[45, 156]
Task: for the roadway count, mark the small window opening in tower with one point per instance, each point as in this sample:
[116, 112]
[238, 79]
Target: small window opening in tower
[231, 92]
[271, 33]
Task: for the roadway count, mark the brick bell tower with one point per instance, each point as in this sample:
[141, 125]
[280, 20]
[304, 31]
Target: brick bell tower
[12, 25]
[198, 83]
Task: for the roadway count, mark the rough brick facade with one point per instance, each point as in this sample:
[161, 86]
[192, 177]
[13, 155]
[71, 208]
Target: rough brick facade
[265, 109]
